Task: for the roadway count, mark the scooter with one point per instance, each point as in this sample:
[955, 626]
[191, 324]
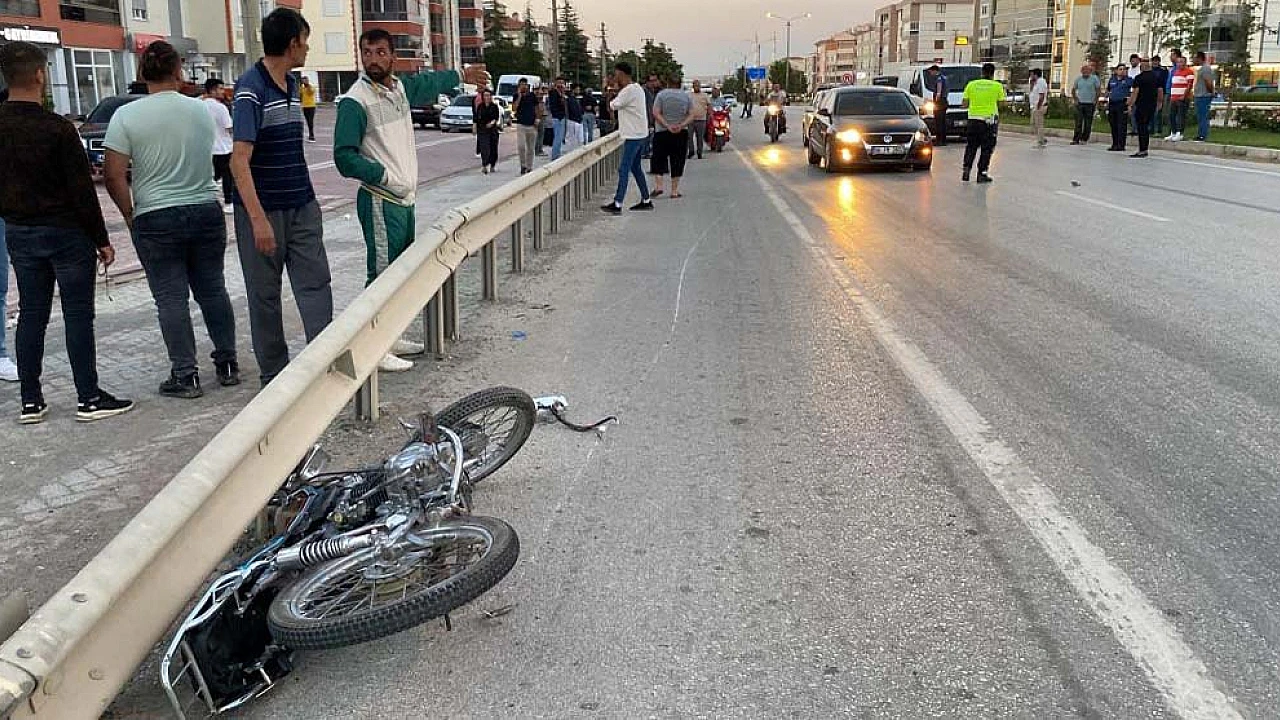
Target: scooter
[718, 129]
[773, 122]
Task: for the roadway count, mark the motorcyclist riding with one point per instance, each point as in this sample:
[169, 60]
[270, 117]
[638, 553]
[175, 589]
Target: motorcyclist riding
[777, 97]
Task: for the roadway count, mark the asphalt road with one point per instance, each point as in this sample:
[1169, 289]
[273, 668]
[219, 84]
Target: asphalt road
[891, 445]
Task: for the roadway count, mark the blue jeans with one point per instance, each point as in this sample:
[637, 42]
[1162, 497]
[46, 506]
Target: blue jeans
[4, 288]
[43, 257]
[558, 126]
[1202, 116]
[631, 165]
[182, 250]
[588, 127]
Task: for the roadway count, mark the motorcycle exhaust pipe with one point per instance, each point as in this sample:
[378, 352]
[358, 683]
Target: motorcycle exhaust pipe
[314, 553]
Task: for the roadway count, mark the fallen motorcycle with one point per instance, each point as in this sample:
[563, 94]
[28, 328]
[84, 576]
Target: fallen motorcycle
[357, 555]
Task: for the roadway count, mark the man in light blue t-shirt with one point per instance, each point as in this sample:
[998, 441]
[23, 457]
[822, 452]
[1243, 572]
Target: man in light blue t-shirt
[173, 210]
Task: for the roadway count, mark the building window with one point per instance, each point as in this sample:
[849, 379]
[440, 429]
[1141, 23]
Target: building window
[913, 28]
[472, 55]
[940, 26]
[333, 8]
[467, 26]
[986, 10]
[942, 8]
[139, 9]
[95, 78]
[984, 32]
[103, 12]
[25, 8]
[939, 44]
[407, 46]
[335, 43]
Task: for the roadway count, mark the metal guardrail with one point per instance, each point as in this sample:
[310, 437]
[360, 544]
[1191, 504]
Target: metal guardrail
[70, 659]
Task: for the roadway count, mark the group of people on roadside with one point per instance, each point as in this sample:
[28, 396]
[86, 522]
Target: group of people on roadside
[572, 113]
[163, 153]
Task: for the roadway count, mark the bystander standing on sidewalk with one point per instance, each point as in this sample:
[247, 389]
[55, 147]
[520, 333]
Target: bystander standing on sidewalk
[373, 142]
[672, 114]
[1181, 80]
[54, 233]
[222, 140]
[1134, 69]
[307, 94]
[1162, 79]
[1038, 100]
[488, 121]
[1204, 88]
[652, 86]
[698, 129]
[1085, 91]
[525, 106]
[278, 222]
[1144, 103]
[573, 133]
[590, 114]
[629, 109]
[8, 371]
[172, 209]
[1118, 89]
[982, 97]
[540, 147]
[558, 107]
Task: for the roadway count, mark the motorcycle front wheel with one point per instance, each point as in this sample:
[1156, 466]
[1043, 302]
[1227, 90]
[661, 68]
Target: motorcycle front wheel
[371, 594]
[493, 425]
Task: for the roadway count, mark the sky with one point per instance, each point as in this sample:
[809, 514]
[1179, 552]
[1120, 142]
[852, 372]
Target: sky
[711, 38]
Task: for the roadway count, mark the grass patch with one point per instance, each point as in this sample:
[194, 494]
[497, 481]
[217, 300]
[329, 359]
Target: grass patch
[1223, 136]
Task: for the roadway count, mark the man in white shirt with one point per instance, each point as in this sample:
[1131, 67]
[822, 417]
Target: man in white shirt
[1038, 99]
[629, 108]
[222, 142]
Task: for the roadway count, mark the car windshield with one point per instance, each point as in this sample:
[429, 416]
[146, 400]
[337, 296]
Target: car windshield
[101, 115]
[874, 103]
[507, 89]
[463, 101]
[958, 77]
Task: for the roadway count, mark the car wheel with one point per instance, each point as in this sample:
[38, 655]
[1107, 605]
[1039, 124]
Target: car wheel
[814, 157]
[827, 163]
[924, 166]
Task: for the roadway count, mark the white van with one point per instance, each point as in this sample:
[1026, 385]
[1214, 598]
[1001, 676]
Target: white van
[916, 81]
[507, 85]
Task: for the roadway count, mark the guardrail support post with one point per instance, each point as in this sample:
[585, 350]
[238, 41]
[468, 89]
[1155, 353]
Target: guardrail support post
[555, 213]
[433, 325]
[489, 270]
[517, 246]
[450, 291]
[367, 398]
[537, 228]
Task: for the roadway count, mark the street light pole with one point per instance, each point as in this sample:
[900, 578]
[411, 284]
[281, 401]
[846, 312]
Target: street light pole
[786, 71]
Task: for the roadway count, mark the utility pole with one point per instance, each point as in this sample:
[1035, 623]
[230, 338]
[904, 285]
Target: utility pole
[604, 55]
[786, 70]
[555, 39]
[251, 13]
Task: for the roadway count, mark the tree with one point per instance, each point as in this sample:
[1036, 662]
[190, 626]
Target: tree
[1018, 66]
[734, 84]
[501, 55]
[792, 80]
[632, 58]
[657, 59]
[1172, 23]
[1237, 67]
[1099, 50]
[576, 63]
[531, 59]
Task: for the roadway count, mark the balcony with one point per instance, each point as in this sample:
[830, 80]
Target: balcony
[102, 12]
[390, 11]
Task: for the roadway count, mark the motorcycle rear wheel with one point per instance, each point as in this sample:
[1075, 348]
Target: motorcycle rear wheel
[437, 570]
[500, 417]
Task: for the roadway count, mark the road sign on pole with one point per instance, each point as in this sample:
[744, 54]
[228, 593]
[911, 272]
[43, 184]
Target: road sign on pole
[847, 78]
[756, 74]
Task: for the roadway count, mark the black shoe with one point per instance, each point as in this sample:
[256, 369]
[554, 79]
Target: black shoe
[965, 176]
[103, 406]
[33, 413]
[1075, 142]
[1115, 149]
[612, 209]
[228, 373]
[1138, 155]
[186, 387]
[642, 205]
[984, 178]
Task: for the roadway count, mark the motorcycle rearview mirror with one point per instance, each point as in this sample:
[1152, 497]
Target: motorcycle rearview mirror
[313, 463]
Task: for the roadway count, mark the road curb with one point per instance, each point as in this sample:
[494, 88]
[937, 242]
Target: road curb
[1229, 152]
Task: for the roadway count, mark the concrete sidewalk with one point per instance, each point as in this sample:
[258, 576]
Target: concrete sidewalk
[68, 487]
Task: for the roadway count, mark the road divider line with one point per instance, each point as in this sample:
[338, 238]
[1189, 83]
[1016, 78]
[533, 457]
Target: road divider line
[1219, 166]
[1110, 206]
[1181, 678]
[419, 146]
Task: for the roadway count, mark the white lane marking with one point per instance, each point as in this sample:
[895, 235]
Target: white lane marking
[1118, 208]
[419, 146]
[1172, 666]
[675, 317]
[1216, 166]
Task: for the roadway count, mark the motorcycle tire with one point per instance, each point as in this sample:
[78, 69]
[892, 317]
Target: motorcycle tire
[294, 626]
[461, 417]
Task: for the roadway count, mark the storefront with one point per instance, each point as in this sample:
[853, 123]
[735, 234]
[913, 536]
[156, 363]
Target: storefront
[86, 62]
[47, 38]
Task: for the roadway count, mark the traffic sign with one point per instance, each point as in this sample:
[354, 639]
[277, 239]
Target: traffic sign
[847, 78]
[756, 74]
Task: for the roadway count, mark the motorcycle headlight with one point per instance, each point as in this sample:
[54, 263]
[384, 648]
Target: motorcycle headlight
[773, 109]
[849, 136]
[930, 107]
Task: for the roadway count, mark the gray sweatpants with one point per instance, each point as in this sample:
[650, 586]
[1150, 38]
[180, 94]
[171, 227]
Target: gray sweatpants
[526, 143]
[300, 250]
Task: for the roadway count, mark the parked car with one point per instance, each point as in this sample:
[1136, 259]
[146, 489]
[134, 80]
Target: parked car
[458, 116]
[93, 129]
[867, 126]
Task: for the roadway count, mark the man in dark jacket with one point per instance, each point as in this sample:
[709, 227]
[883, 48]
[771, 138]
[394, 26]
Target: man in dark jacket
[55, 234]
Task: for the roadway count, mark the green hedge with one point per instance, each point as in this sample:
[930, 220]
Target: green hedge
[1251, 119]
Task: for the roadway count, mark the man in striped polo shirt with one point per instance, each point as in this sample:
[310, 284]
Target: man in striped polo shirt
[278, 222]
[374, 142]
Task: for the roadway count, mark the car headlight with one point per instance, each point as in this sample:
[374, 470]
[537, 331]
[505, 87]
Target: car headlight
[920, 136]
[930, 107]
[849, 136]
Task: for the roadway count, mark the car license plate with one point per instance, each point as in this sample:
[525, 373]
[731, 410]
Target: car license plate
[886, 150]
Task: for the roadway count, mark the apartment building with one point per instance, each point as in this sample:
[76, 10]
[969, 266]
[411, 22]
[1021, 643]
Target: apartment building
[913, 32]
[84, 41]
[1025, 27]
[835, 60]
[1073, 24]
[333, 62]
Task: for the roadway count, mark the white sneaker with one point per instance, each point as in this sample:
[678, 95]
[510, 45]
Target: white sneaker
[228, 209]
[8, 371]
[407, 347]
[392, 364]
[1177, 137]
